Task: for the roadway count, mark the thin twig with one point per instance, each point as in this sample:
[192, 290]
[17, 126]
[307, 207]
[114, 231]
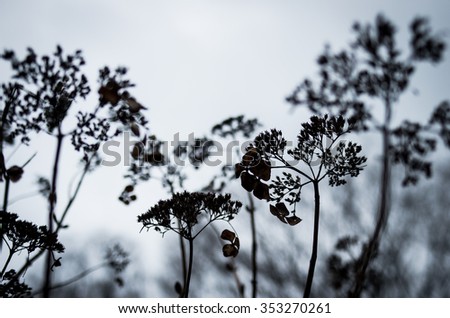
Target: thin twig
[59, 225]
[289, 166]
[29, 160]
[240, 286]
[75, 194]
[6, 200]
[51, 212]
[8, 260]
[22, 197]
[251, 210]
[74, 278]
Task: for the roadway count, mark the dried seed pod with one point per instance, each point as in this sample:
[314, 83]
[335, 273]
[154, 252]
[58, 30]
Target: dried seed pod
[248, 181]
[261, 191]
[15, 173]
[134, 106]
[135, 129]
[229, 250]
[110, 93]
[232, 249]
[129, 188]
[228, 235]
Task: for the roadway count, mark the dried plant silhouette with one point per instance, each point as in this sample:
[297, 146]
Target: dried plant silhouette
[421, 209]
[188, 214]
[116, 258]
[150, 162]
[375, 72]
[391, 274]
[37, 100]
[232, 128]
[317, 155]
[47, 96]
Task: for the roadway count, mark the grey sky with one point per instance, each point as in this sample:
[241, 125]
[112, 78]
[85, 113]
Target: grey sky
[195, 63]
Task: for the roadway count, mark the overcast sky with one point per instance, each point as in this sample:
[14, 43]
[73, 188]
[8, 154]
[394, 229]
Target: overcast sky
[195, 63]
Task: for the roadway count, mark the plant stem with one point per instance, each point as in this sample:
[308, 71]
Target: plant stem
[3, 172]
[6, 194]
[183, 255]
[51, 212]
[5, 207]
[74, 278]
[59, 225]
[181, 240]
[74, 195]
[383, 210]
[251, 210]
[8, 260]
[312, 262]
[240, 286]
[189, 272]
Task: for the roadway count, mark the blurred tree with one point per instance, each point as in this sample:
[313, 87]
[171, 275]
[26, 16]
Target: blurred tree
[413, 259]
[374, 72]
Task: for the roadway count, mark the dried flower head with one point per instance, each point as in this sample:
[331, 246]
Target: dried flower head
[185, 210]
